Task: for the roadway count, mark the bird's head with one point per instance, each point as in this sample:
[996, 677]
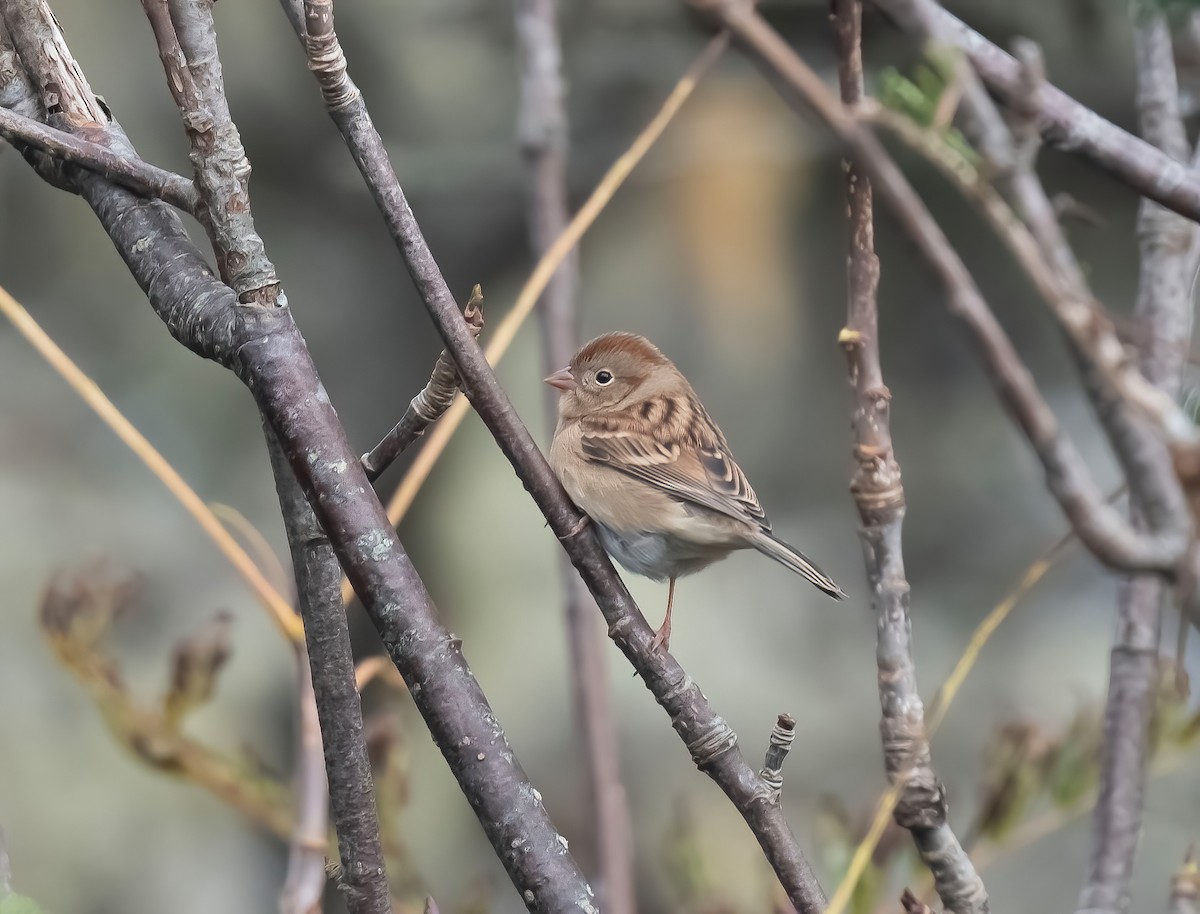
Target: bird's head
[610, 373]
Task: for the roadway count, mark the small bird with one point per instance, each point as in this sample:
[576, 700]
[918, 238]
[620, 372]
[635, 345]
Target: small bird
[637, 452]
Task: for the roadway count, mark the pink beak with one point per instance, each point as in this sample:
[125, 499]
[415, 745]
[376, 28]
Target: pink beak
[562, 379]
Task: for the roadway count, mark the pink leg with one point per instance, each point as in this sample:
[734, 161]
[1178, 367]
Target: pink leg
[662, 637]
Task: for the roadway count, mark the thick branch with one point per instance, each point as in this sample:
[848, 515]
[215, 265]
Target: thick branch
[272, 360]
[263, 346]
[709, 739]
[1164, 311]
[1105, 532]
[543, 135]
[319, 589]
[879, 494]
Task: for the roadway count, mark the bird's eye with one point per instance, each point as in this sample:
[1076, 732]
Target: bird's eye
[604, 377]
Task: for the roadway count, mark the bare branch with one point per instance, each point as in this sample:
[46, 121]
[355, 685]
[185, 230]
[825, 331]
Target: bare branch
[187, 46]
[428, 405]
[1071, 126]
[1101, 528]
[711, 742]
[542, 131]
[879, 495]
[304, 884]
[1113, 380]
[339, 711]
[186, 39]
[134, 174]
[263, 346]
[1164, 309]
[783, 734]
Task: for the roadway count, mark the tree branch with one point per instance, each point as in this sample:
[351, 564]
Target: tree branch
[542, 133]
[879, 495]
[304, 883]
[1113, 380]
[710, 741]
[1100, 527]
[264, 348]
[1071, 126]
[339, 711]
[134, 174]
[1164, 309]
[428, 405]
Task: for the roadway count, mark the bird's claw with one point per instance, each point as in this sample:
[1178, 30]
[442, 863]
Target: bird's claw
[577, 528]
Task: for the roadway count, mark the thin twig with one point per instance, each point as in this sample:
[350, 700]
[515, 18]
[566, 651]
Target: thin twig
[279, 608]
[1102, 529]
[140, 177]
[304, 882]
[879, 495]
[779, 744]
[543, 135]
[427, 406]
[1164, 307]
[709, 738]
[940, 706]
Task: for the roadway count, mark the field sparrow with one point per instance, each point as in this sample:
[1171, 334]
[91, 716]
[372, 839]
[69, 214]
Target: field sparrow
[638, 453]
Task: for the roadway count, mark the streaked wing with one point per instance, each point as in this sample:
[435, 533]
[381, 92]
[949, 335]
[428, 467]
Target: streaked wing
[686, 457]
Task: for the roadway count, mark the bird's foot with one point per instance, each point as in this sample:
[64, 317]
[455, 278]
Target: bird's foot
[662, 638]
[577, 528]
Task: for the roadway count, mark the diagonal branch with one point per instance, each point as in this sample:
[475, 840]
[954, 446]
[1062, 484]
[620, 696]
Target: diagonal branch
[1071, 126]
[134, 174]
[1114, 382]
[879, 495]
[542, 132]
[339, 711]
[710, 741]
[1100, 527]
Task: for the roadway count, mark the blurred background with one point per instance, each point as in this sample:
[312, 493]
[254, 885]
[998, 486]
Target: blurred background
[727, 249]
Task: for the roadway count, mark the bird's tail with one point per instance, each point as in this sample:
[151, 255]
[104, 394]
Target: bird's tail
[798, 562]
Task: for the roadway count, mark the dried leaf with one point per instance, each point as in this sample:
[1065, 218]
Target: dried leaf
[79, 607]
[195, 663]
[1012, 777]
